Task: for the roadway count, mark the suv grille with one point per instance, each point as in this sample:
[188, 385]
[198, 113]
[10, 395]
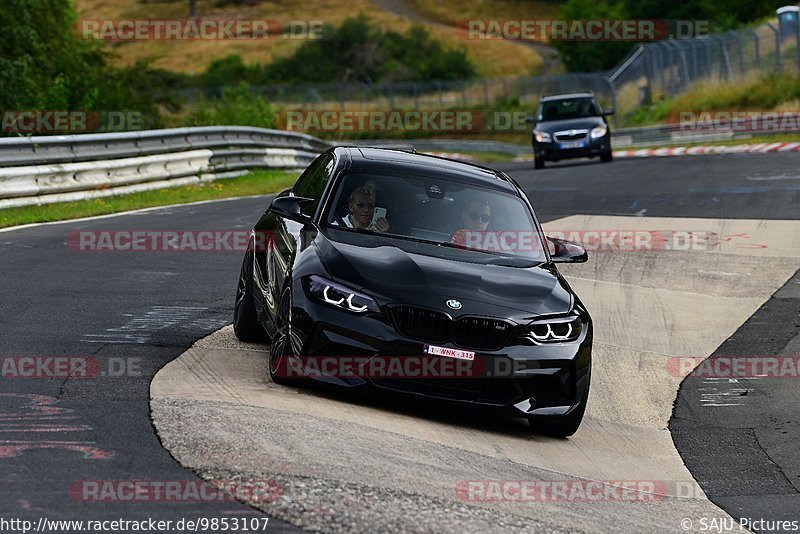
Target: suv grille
[571, 135]
[437, 327]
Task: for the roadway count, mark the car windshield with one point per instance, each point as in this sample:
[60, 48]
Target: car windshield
[474, 220]
[568, 108]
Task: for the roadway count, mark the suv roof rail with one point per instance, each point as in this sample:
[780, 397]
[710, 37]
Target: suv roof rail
[561, 94]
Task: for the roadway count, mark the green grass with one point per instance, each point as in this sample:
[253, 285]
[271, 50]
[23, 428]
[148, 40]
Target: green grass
[258, 182]
[488, 157]
[780, 92]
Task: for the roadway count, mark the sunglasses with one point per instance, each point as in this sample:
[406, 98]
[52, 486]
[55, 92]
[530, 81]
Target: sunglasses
[474, 215]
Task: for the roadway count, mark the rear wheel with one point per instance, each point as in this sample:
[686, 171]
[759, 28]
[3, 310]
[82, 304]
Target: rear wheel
[561, 427]
[281, 348]
[245, 319]
[606, 156]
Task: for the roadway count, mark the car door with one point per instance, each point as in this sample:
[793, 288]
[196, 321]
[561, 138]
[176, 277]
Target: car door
[283, 236]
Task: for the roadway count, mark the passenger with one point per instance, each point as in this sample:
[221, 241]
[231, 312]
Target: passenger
[585, 109]
[475, 219]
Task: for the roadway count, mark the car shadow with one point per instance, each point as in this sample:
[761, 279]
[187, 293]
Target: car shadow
[476, 416]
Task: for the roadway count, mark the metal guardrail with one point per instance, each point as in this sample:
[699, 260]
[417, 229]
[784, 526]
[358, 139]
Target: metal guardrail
[42, 170]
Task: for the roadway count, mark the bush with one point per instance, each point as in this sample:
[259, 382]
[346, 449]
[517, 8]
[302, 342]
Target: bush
[237, 107]
[358, 51]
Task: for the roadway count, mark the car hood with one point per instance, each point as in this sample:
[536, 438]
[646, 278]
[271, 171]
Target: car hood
[392, 275]
[584, 123]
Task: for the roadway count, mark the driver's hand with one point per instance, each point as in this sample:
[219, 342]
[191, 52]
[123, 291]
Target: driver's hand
[381, 225]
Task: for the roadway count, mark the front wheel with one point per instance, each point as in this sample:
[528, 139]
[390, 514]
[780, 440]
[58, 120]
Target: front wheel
[538, 163]
[281, 348]
[606, 156]
[246, 325]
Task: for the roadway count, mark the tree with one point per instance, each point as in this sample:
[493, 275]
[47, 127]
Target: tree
[592, 55]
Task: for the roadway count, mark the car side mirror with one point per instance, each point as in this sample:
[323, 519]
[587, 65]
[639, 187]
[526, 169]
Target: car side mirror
[564, 251]
[289, 208]
[607, 112]
[530, 120]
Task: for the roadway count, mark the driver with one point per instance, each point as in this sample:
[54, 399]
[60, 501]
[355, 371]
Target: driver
[361, 206]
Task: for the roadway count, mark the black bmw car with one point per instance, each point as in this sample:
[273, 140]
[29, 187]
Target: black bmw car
[570, 126]
[420, 275]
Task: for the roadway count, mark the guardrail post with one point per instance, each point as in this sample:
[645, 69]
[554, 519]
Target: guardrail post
[756, 46]
[778, 65]
[683, 68]
[709, 57]
[797, 46]
[669, 65]
[613, 101]
[723, 46]
[740, 41]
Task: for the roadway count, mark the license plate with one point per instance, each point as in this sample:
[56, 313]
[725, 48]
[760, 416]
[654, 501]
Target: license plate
[572, 144]
[449, 353]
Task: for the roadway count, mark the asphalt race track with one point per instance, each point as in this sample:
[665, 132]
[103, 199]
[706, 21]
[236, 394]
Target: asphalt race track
[361, 464]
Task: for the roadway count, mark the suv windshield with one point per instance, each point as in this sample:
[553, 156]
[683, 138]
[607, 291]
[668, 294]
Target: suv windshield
[445, 213]
[568, 108]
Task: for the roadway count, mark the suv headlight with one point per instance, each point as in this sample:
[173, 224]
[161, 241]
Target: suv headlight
[543, 137]
[554, 330]
[599, 131]
[339, 296]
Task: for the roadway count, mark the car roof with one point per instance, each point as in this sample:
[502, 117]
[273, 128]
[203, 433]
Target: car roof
[566, 95]
[386, 160]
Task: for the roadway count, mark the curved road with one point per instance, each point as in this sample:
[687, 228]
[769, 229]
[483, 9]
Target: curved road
[141, 310]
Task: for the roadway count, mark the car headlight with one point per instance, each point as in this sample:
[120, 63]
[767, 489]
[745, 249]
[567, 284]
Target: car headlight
[599, 131]
[554, 330]
[339, 296]
[543, 137]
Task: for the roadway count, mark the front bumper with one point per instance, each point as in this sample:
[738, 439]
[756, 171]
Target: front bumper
[524, 379]
[553, 151]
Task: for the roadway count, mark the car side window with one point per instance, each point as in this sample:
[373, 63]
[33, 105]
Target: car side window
[312, 183]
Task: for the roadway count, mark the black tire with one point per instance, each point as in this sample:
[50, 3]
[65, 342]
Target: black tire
[538, 163]
[560, 427]
[246, 325]
[281, 347]
[606, 156]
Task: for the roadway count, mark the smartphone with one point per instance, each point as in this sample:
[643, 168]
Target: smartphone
[379, 213]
